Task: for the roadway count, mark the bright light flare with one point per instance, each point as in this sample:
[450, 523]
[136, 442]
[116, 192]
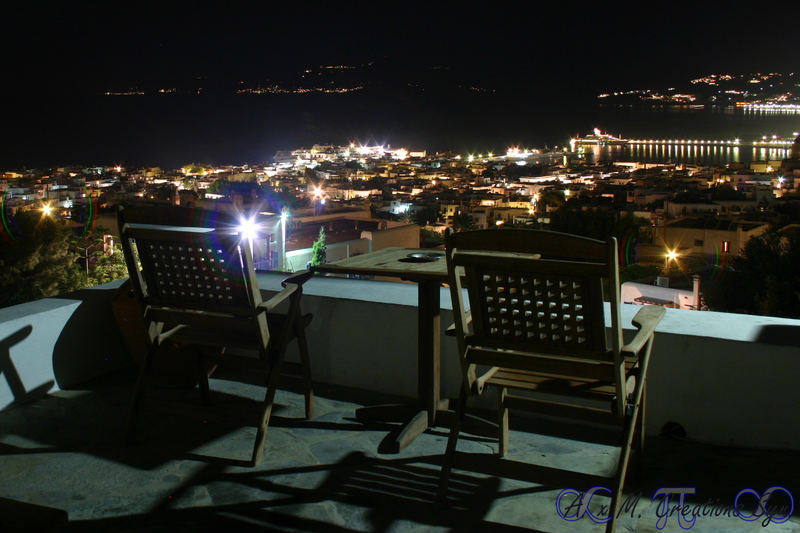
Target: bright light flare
[671, 255]
[47, 210]
[248, 229]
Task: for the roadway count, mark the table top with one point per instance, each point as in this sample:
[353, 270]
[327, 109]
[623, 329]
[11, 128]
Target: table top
[412, 264]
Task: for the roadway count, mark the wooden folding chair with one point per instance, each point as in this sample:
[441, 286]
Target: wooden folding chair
[197, 286]
[536, 320]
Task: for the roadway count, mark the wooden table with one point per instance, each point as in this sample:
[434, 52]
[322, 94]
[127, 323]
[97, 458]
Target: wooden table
[428, 273]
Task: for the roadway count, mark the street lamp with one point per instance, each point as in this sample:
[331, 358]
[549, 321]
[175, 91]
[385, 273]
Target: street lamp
[284, 216]
[670, 256]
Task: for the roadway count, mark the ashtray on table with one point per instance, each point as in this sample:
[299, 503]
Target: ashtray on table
[422, 257]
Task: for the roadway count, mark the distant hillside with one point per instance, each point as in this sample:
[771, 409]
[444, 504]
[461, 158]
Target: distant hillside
[717, 89]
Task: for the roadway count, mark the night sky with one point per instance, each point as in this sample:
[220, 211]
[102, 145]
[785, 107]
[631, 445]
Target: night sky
[58, 57]
[604, 44]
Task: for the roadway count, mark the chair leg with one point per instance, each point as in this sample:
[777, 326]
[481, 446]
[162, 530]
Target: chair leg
[452, 441]
[302, 345]
[622, 468]
[639, 437]
[138, 393]
[502, 422]
[269, 399]
[642, 421]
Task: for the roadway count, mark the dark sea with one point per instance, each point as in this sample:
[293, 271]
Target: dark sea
[173, 130]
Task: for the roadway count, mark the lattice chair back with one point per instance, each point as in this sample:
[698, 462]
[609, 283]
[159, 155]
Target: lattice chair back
[195, 276]
[536, 291]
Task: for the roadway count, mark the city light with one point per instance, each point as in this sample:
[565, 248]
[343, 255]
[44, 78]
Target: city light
[671, 255]
[47, 210]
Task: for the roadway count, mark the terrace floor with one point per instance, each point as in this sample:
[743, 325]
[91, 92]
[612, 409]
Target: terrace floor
[66, 451]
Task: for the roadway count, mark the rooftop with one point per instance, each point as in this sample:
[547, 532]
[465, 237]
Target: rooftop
[714, 224]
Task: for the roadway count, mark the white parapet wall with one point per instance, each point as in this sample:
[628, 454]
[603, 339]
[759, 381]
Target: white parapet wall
[727, 379]
[58, 343]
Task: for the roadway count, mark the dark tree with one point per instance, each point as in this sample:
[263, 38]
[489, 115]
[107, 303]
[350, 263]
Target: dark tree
[38, 262]
[550, 197]
[764, 280]
[424, 216]
[319, 249]
[463, 222]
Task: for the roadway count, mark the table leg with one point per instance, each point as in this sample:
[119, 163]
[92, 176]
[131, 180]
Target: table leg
[428, 348]
[428, 372]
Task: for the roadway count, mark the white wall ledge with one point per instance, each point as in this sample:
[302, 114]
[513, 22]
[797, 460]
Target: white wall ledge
[711, 324]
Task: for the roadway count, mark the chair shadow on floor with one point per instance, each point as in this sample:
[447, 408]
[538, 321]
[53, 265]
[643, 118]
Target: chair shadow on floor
[10, 373]
[377, 493]
[92, 420]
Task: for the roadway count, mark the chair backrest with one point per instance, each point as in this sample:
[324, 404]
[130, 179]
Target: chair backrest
[189, 274]
[188, 217]
[535, 291]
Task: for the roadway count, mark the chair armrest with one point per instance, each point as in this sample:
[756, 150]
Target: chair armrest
[646, 321]
[480, 382]
[161, 337]
[451, 331]
[279, 298]
[298, 278]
